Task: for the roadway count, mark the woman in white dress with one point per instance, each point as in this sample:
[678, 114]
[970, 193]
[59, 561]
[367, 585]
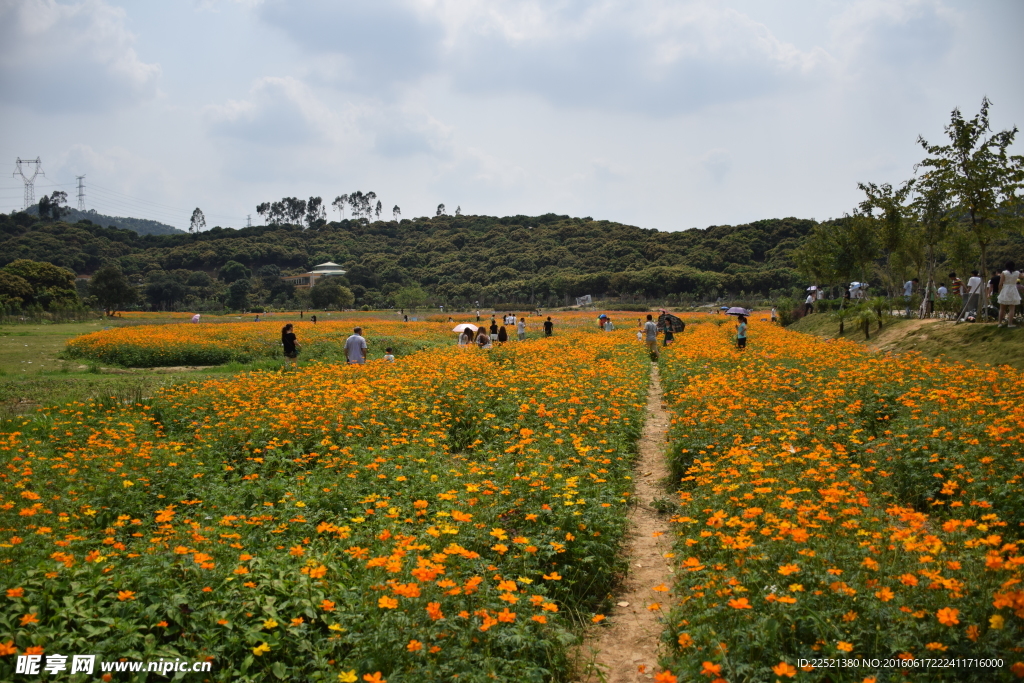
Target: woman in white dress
[1009, 297]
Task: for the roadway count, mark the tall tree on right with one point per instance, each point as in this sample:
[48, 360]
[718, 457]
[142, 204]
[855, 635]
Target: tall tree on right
[981, 179]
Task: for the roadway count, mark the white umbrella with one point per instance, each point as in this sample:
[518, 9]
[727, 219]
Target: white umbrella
[464, 326]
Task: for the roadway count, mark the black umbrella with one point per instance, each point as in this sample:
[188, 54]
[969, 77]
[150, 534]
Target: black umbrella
[669, 321]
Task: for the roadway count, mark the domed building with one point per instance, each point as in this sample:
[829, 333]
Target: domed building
[307, 280]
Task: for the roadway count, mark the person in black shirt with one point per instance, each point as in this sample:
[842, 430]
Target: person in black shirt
[494, 330]
[291, 348]
[548, 327]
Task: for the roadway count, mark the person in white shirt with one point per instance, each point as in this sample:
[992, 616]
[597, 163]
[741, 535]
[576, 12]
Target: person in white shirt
[355, 347]
[943, 291]
[972, 296]
[908, 292]
[521, 329]
[809, 304]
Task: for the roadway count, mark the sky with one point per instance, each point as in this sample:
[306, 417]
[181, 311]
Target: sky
[666, 114]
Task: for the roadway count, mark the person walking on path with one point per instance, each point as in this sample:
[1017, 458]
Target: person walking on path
[549, 327]
[809, 304]
[521, 329]
[355, 347]
[651, 336]
[741, 332]
[1009, 297]
[291, 347]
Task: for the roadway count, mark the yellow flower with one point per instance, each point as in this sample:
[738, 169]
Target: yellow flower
[269, 624]
[348, 676]
[996, 621]
[260, 649]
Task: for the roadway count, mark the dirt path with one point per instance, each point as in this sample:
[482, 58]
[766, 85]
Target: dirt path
[626, 649]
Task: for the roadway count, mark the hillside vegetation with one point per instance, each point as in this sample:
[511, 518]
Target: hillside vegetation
[528, 259]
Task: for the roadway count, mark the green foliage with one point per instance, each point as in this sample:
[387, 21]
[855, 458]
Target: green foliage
[14, 290]
[233, 271]
[111, 288]
[52, 287]
[329, 292]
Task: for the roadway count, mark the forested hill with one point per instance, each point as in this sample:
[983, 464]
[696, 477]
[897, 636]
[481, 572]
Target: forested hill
[142, 226]
[515, 258]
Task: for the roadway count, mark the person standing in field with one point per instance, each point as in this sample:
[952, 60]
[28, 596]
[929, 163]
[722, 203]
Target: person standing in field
[741, 332]
[650, 336]
[291, 347]
[1009, 297]
[502, 335]
[483, 340]
[521, 329]
[355, 347]
[775, 314]
[549, 327]
[494, 330]
[973, 296]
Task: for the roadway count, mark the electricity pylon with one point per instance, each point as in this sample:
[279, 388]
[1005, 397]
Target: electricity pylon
[30, 187]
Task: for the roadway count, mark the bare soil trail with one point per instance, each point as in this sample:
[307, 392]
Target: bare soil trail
[625, 648]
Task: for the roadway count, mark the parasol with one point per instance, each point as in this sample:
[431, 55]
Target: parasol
[668, 321]
[464, 326]
[736, 310]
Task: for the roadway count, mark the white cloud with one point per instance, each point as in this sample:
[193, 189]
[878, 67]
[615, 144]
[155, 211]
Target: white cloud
[657, 56]
[77, 56]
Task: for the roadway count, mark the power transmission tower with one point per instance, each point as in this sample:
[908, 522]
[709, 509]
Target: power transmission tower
[248, 220]
[30, 187]
[81, 192]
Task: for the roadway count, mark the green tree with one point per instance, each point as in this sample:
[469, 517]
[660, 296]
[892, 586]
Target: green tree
[410, 297]
[53, 207]
[894, 212]
[15, 291]
[233, 271]
[52, 286]
[329, 292]
[238, 295]
[111, 288]
[198, 221]
[979, 175]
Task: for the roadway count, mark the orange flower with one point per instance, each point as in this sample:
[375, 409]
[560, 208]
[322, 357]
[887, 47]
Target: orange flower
[434, 611]
[710, 669]
[553, 576]
[597, 618]
[844, 646]
[8, 648]
[15, 592]
[788, 569]
[125, 595]
[740, 603]
[885, 595]
[784, 669]
[387, 602]
[374, 678]
[685, 640]
[327, 606]
[414, 646]
[539, 618]
[31, 618]
[665, 677]
[948, 616]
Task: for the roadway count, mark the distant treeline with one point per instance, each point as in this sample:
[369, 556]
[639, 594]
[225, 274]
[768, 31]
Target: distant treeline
[142, 226]
[545, 259]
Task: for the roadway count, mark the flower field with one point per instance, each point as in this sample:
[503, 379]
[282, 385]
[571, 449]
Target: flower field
[449, 516]
[146, 346]
[218, 343]
[839, 505]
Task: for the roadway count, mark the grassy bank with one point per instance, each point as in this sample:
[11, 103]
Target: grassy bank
[979, 342]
